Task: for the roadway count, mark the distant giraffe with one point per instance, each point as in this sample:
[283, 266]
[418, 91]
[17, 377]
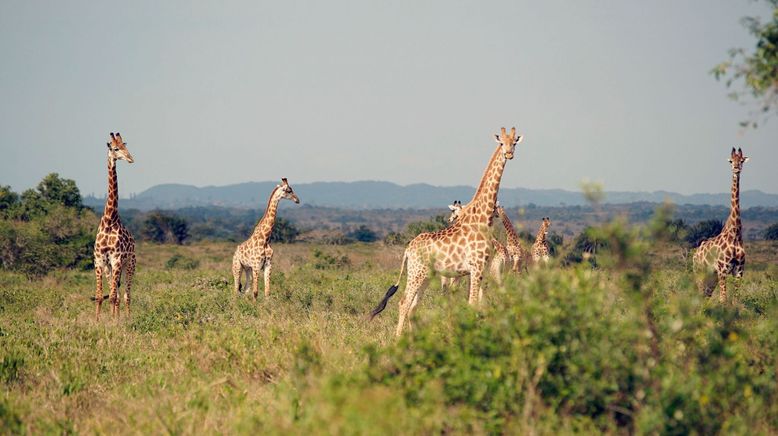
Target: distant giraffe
[724, 253]
[255, 253]
[540, 249]
[462, 248]
[498, 260]
[114, 246]
[517, 254]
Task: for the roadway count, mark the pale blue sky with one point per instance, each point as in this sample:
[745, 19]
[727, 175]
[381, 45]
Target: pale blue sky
[214, 93]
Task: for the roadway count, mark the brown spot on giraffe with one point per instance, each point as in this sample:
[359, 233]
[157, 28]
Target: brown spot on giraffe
[429, 251]
[114, 250]
[255, 253]
[724, 254]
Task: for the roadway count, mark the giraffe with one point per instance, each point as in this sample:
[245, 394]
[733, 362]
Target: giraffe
[255, 253]
[460, 249]
[724, 253]
[495, 266]
[540, 249]
[114, 246]
[516, 254]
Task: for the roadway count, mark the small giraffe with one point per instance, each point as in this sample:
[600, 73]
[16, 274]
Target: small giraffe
[724, 253]
[516, 254]
[540, 249]
[255, 253]
[114, 246]
[497, 263]
[460, 249]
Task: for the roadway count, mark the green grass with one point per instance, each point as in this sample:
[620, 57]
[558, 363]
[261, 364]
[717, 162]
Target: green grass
[194, 358]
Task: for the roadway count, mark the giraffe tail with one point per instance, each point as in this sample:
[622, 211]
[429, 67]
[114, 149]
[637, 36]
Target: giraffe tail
[105, 297]
[391, 291]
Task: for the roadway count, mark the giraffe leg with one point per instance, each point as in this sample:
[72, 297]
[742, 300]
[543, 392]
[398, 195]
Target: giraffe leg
[128, 274]
[116, 275]
[415, 301]
[416, 276]
[476, 276]
[515, 267]
[722, 287]
[236, 273]
[98, 286]
[267, 269]
[496, 270]
[255, 282]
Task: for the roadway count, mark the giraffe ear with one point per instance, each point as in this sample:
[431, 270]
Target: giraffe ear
[497, 138]
[519, 139]
[108, 144]
[745, 159]
[284, 181]
[452, 207]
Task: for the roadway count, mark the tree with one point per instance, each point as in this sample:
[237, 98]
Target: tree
[162, 227]
[58, 190]
[284, 231]
[771, 233]
[702, 231]
[758, 69]
[8, 198]
[363, 233]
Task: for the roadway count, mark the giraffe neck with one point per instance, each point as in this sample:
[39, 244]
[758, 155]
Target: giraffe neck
[485, 198]
[541, 238]
[265, 226]
[510, 231]
[733, 224]
[111, 211]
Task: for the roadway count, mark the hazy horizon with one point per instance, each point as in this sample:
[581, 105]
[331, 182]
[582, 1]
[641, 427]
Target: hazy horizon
[213, 95]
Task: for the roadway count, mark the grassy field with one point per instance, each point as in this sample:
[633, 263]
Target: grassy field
[194, 358]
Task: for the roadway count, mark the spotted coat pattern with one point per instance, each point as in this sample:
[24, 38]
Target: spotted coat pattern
[516, 253]
[540, 249]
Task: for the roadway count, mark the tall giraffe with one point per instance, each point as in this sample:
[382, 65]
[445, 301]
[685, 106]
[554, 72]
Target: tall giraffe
[516, 254]
[498, 261]
[255, 253]
[460, 249]
[724, 253]
[114, 246]
[540, 249]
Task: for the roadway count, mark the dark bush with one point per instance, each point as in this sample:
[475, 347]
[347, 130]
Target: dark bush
[363, 233]
[771, 233]
[703, 230]
[163, 227]
[284, 231]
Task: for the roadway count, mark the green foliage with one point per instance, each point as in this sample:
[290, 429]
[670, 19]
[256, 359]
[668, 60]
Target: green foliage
[413, 229]
[284, 231]
[162, 227]
[323, 260]
[45, 228]
[702, 231]
[771, 233]
[758, 69]
[363, 233]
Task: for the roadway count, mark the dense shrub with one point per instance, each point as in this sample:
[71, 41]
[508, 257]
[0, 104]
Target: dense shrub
[45, 228]
[702, 231]
[284, 231]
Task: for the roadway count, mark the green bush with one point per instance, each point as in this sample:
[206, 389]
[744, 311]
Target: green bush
[181, 262]
[164, 227]
[363, 233]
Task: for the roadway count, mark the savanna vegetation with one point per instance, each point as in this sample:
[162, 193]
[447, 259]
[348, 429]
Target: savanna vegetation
[626, 346]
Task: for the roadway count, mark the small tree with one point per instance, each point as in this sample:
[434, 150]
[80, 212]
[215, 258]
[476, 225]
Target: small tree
[702, 231]
[161, 227]
[284, 231]
[771, 233]
[55, 189]
[363, 234]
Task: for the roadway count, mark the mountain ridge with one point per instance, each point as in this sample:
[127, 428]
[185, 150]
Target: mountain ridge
[373, 194]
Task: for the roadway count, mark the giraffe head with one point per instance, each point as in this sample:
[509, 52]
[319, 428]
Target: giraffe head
[498, 210]
[508, 141]
[117, 149]
[286, 191]
[456, 210]
[546, 224]
[736, 159]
